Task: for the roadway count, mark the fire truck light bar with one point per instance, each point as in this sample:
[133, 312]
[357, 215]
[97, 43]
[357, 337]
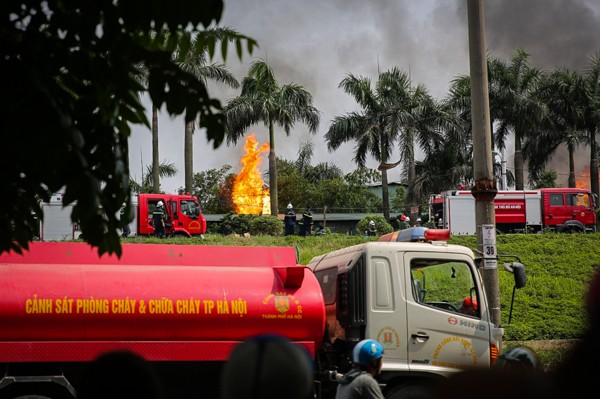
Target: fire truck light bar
[419, 234]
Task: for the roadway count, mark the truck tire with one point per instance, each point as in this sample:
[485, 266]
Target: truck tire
[410, 392]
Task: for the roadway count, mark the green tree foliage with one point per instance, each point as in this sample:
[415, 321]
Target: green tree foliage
[208, 186]
[547, 179]
[147, 184]
[76, 67]
[381, 224]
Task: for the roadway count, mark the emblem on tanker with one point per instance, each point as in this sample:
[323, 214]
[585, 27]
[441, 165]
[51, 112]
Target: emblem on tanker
[282, 303]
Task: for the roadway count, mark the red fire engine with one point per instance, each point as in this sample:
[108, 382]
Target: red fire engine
[554, 209]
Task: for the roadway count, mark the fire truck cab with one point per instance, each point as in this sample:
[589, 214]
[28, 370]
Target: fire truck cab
[184, 216]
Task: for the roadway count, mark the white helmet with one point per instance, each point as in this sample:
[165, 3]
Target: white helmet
[372, 222]
[289, 206]
[407, 219]
[160, 204]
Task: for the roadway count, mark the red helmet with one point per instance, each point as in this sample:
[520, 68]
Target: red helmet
[470, 303]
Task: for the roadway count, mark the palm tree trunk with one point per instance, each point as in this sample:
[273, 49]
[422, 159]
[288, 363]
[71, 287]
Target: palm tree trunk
[410, 177]
[385, 194]
[572, 180]
[273, 171]
[519, 183]
[188, 155]
[594, 183]
[155, 161]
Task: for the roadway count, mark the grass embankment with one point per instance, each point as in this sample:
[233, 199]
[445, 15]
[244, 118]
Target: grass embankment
[551, 307]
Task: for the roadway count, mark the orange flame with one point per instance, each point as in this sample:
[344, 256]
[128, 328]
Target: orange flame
[583, 183]
[248, 194]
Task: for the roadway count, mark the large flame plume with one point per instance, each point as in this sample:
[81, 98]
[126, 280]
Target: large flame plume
[249, 194]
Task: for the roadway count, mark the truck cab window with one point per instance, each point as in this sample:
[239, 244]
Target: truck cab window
[578, 200]
[556, 200]
[190, 208]
[444, 285]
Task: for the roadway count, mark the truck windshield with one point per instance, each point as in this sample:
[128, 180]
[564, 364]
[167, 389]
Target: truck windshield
[579, 200]
[447, 285]
[190, 208]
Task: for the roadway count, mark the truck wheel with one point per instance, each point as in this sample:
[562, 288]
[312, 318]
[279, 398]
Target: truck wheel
[410, 392]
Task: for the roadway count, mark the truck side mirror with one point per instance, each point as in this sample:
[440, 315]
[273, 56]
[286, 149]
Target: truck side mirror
[518, 270]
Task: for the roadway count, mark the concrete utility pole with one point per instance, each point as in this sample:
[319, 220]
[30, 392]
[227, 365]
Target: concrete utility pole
[484, 189]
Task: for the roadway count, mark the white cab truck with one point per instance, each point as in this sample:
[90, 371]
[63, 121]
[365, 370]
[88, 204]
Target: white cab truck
[421, 298]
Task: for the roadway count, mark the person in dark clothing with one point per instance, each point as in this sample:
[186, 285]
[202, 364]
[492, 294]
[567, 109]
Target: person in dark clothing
[360, 381]
[289, 220]
[158, 219]
[307, 222]
[372, 229]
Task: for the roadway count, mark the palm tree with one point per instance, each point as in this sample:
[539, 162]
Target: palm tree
[591, 116]
[148, 184]
[517, 109]
[563, 93]
[392, 111]
[263, 100]
[368, 128]
[193, 57]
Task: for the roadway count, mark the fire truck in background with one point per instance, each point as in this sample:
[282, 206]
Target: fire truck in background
[185, 217]
[564, 210]
[184, 308]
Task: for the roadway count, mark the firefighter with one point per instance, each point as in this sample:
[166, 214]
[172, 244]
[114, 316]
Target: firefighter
[158, 219]
[289, 220]
[307, 222]
[372, 231]
[360, 381]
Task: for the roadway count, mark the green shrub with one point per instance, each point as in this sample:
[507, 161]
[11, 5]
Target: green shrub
[266, 225]
[382, 225]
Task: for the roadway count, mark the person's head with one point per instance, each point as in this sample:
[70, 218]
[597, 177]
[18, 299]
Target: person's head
[469, 306]
[289, 206]
[368, 354]
[372, 223]
[160, 204]
[267, 367]
[519, 358]
[407, 220]
[120, 375]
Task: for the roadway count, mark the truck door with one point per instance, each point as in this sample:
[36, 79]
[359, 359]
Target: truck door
[386, 314]
[580, 207]
[447, 327]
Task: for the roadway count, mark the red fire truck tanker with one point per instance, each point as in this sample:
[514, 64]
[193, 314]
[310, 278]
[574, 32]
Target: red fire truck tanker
[555, 209]
[185, 307]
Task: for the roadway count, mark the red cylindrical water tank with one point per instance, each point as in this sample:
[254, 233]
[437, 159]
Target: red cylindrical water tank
[130, 302]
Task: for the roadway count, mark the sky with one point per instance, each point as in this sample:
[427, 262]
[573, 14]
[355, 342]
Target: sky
[316, 43]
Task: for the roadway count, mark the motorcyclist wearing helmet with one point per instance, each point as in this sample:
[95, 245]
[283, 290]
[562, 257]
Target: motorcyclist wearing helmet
[519, 358]
[360, 381]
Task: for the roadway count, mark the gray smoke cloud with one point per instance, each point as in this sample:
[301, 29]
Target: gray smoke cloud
[316, 43]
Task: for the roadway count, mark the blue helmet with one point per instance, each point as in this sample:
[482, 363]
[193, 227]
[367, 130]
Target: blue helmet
[520, 357]
[366, 350]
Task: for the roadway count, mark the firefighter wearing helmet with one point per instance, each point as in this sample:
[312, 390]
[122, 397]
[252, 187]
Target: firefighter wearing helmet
[158, 220]
[289, 220]
[360, 381]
